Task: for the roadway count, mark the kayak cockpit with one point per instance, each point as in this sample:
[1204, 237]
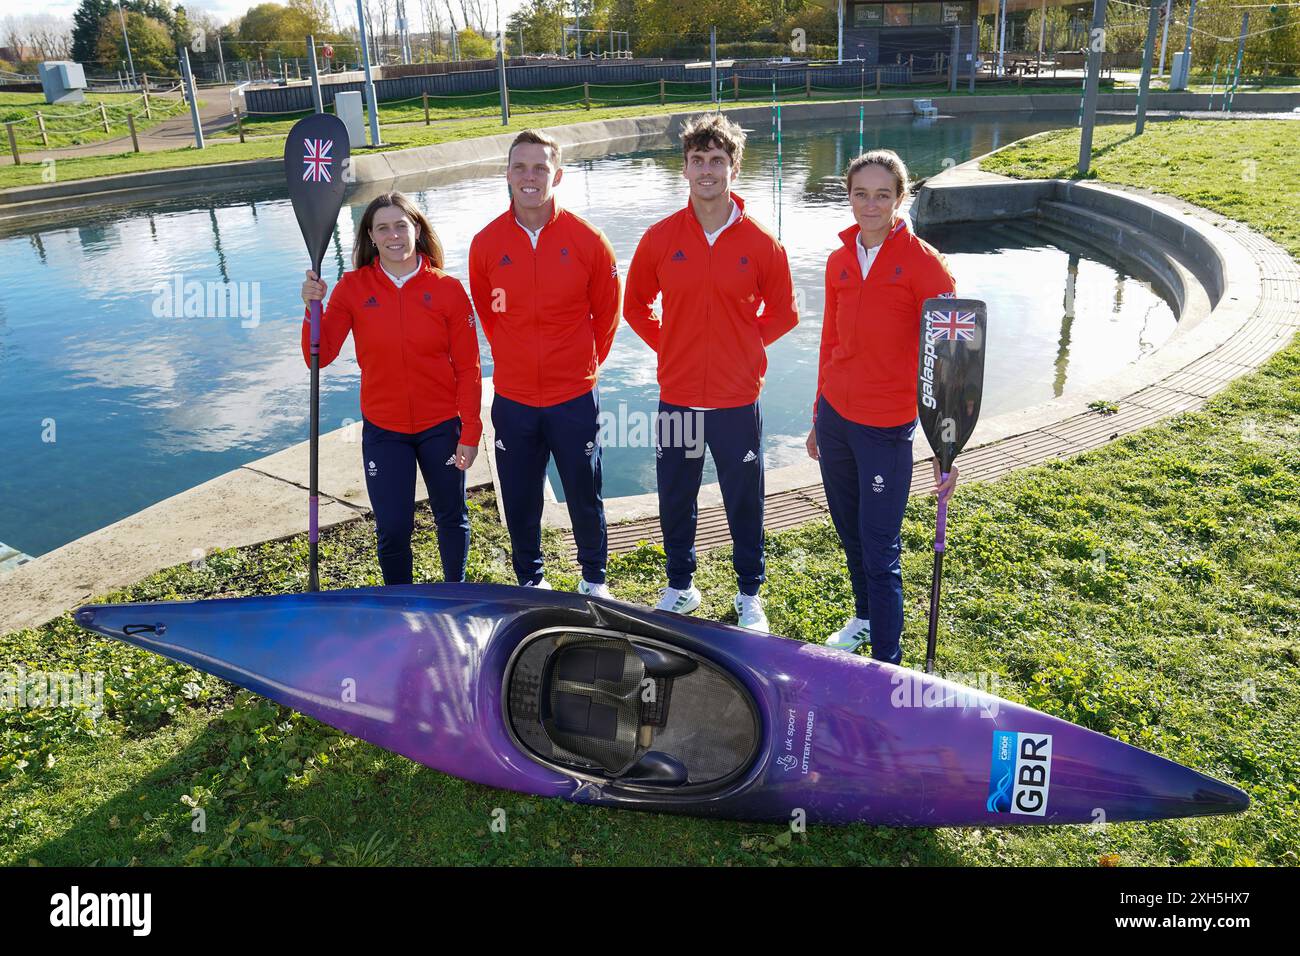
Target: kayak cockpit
[629, 710]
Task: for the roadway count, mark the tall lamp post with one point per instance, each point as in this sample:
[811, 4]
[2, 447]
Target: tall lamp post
[127, 40]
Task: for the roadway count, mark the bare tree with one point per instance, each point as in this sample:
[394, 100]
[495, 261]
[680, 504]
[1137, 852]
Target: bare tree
[385, 17]
[477, 8]
[44, 34]
[432, 23]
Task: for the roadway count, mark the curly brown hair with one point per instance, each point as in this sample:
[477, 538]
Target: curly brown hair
[713, 131]
[427, 243]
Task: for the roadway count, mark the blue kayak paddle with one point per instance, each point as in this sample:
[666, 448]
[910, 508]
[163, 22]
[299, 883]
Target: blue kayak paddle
[950, 384]
[315, 159]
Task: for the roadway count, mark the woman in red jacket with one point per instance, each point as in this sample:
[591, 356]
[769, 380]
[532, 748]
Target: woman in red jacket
[421, 388]
[865, 413]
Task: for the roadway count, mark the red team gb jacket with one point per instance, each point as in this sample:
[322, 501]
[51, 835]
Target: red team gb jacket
[711, 339]
[549, 313]
[416, 346]
[871, 329]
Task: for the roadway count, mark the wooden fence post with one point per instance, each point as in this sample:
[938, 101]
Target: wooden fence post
[145, 87]
[877, 81]
[425, 97]
[40, 122]
[103, 115]
[735, 84]
[130, 124]
[586, 94]
[239, 123]
[13, 144]
[661, 91]
[807, 84]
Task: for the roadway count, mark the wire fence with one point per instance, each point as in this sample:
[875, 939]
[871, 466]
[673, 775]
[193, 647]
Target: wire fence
[62, 127]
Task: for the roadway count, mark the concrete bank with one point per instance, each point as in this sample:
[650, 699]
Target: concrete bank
[33, 203]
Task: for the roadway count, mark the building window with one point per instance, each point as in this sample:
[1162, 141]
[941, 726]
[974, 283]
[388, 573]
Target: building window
[898, 14]
[925, 14]
[868, 15]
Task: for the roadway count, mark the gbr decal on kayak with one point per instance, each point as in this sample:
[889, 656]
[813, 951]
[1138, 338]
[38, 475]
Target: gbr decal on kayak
[1021, 774]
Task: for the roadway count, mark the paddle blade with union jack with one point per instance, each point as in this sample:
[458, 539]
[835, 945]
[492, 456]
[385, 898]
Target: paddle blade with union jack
[950, 380]
[315, 166]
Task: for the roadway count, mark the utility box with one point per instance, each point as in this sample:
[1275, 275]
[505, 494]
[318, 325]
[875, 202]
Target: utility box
[1179, 70]
[63, 81]
[348, 108]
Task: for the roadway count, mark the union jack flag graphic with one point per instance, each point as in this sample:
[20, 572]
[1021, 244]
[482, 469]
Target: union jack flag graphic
[316, 160]
[949, 326]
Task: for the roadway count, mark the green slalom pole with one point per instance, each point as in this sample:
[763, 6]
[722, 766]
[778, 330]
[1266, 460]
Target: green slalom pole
[862, 106]
[774, 106]
[778, 172]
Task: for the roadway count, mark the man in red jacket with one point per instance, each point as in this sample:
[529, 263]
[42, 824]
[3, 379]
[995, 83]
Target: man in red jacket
[545, 286]
[715, 268]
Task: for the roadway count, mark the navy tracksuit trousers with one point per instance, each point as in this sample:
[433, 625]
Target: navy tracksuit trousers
[734, 436]
[526, 437]
[390, 460]
[867, 473]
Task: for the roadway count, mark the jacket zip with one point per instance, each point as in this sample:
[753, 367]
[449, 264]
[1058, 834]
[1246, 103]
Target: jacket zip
[406, 371]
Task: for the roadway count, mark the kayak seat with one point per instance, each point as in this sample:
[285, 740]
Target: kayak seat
[594, 696]
[631, 711]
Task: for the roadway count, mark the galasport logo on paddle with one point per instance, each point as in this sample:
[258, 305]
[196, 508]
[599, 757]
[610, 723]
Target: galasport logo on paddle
[1021, 774]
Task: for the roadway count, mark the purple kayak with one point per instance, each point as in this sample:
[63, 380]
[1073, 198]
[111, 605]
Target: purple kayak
[612, 704]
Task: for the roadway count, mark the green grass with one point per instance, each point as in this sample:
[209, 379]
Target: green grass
[1149, 590]
[462, 123]
[74, 124]
[1244, 169]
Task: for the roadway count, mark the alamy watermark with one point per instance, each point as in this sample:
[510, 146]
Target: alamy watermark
[182, 298]
[975, 690]
[627, 428]
[22, 689]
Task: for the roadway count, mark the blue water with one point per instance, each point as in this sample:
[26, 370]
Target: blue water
[110, 402]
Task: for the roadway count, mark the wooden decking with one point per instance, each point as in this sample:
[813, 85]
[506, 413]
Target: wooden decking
[1267, 331]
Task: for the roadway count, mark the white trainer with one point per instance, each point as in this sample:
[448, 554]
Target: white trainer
[851, 636]
[679, 601]
[749, 613]
[595, 590]
[542, 585]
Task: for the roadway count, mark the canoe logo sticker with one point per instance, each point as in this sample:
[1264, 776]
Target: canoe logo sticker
[798, 741]
[1021, 773]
